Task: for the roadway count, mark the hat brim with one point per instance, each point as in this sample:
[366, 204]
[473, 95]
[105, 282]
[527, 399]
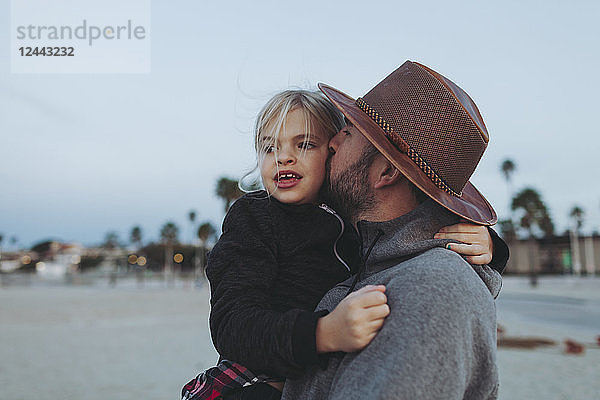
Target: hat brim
[471, 205]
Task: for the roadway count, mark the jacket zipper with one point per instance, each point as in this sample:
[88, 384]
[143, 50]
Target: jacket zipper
[332, 212]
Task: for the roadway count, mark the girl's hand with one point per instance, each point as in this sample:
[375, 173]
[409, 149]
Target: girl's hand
[476, 243]
[354, 322]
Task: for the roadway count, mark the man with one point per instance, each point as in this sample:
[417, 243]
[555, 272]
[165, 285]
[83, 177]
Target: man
[400, 171]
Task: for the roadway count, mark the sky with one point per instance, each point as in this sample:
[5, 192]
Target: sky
[84, 154]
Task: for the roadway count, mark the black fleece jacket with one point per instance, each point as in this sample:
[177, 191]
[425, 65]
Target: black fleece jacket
[269, 270]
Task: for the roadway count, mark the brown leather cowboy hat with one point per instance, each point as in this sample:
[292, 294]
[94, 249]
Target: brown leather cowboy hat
[428, 128]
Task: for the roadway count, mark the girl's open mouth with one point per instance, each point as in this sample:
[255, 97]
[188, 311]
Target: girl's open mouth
[287, 179]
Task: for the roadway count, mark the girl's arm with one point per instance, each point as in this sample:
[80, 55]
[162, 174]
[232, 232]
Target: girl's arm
[480, 244]
[241, 269]
[245, 329]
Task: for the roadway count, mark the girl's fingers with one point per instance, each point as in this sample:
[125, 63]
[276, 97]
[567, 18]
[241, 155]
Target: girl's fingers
[461, 237]
[370, 288]
[378, 312]
[463, 228]
[480, 260]
[372, 298]
[467, 249]
[374, 326]
[475, 254]
[367, 289]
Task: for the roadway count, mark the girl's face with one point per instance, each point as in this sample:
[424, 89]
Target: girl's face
[293, 168]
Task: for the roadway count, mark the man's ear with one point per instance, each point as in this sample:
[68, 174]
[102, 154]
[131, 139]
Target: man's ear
[388, 175]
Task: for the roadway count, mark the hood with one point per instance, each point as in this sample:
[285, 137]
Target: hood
[387, 243]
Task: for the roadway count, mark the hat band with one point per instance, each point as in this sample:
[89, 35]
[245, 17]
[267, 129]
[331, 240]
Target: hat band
[404, 147]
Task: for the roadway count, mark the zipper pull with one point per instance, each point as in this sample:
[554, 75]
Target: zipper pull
[328, 209]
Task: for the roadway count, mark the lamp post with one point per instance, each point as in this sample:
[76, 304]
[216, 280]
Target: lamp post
[178, 258]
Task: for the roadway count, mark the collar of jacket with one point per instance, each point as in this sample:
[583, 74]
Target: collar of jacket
[392, 242]
[296, 209]
[403, 237]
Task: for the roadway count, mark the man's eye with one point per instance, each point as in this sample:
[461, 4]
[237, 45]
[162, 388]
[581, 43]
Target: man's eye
[346, 132]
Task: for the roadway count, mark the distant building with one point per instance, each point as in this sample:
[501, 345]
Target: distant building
[555, 255]
[47, 259]
[56, 259]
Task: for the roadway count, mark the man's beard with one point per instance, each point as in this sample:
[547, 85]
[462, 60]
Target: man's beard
[350, 193]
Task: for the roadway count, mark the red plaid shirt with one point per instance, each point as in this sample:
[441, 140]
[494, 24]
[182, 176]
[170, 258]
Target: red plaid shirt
[225, 378]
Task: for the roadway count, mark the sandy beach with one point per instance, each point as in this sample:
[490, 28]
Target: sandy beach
[100, 343]
[558, 308]
[96, 342]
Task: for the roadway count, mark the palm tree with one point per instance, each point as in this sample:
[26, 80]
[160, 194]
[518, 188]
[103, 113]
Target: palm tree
[228, 190]
[168, 235]
[192, 218]
[508, 167]
[576, 216]
[111, 240]
[135, 237]
[535, 216]
[1, 239]
[205, 232]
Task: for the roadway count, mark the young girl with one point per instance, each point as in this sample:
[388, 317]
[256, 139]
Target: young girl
[281, 250]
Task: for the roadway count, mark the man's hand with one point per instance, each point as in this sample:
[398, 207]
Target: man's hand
[477, 244]
[354, 322]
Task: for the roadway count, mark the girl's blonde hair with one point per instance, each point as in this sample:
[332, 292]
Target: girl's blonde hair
[318, 113]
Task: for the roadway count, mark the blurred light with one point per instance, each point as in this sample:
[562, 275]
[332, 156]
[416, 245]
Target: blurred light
[26, 260]
[141, 261]
[178, 258]
[132, 259]
[75, 259]
[40, 266]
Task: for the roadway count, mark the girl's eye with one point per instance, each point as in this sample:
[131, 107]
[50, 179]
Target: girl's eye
[347, 132]
[268, 149]
[306, 145]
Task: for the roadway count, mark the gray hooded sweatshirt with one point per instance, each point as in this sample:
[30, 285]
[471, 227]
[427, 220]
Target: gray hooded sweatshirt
[439, 341]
